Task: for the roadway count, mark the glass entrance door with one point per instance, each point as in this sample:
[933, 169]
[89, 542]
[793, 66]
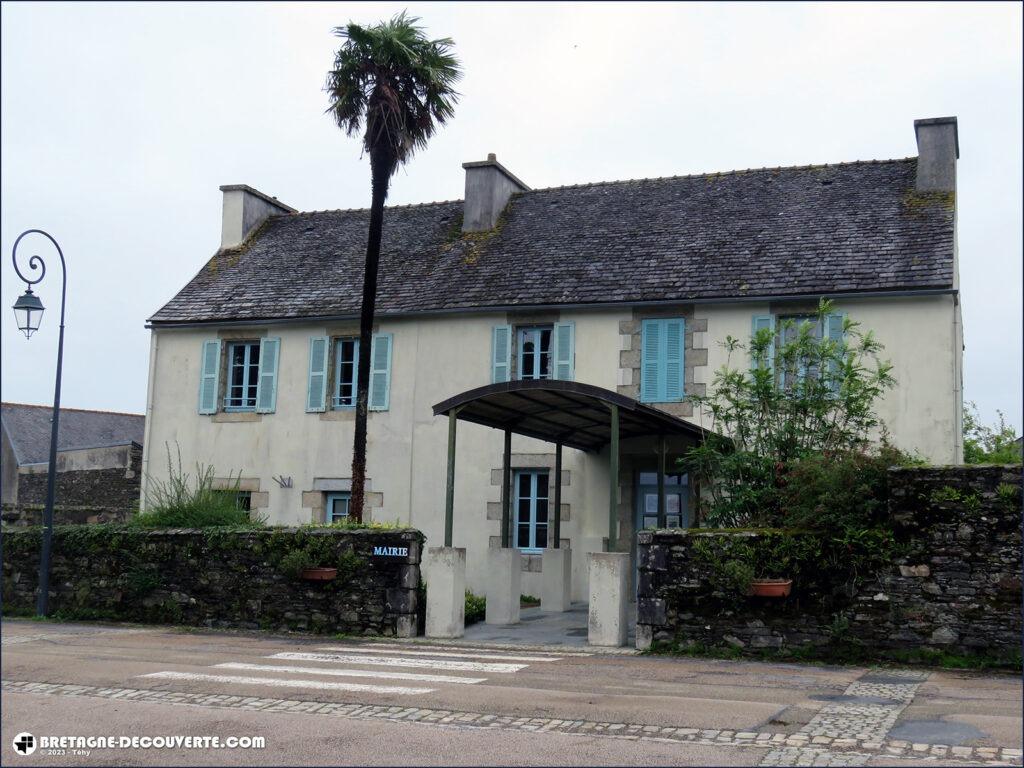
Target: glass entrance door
[677, 501]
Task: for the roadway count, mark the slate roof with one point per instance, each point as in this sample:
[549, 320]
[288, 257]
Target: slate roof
[28, 428]
[769, 232]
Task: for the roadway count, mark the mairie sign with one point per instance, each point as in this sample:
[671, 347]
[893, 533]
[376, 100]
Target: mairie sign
[391, 551]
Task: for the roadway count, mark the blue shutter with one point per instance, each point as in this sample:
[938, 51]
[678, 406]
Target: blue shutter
[209, 376]
[759, 322]
[674, 341]
[650, 369]
[380, 372]
[834, 331]
[266, 384]
[661, 360]
[565, 351]
[316, 384]
[501, 353]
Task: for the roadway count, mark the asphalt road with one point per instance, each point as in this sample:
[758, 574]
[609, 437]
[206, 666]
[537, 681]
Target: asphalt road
[324, 701]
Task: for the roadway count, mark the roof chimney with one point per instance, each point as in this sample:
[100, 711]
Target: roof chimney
[489, 185]
[938, 149]
[245, 209]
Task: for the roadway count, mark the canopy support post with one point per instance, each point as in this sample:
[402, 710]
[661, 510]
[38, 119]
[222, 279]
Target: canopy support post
[449, 499]
[613, 479]
[506, 491]
[662, 518]
[558, 495]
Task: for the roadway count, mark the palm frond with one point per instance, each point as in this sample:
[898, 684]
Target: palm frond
[395, 82]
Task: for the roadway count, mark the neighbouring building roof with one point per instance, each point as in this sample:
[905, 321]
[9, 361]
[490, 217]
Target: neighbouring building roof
[852, 227]
[28, 429]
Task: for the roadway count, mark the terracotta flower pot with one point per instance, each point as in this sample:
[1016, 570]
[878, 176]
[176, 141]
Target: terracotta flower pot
[771, 587]
[319, 574]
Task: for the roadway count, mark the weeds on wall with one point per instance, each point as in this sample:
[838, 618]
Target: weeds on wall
[191, 501]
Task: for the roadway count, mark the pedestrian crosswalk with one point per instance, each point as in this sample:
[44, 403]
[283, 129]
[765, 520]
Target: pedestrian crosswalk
[379, 668]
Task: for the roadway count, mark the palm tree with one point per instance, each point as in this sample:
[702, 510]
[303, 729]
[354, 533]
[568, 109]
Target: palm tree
[398, 83]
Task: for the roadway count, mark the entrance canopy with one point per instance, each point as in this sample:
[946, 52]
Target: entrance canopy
[580, 416]
[563, 412]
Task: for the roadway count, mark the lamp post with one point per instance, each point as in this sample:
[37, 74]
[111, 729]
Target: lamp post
[28, 310]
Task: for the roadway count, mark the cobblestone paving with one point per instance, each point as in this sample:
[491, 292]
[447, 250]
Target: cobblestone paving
[784, 749]
[18, 639]
[856, 725]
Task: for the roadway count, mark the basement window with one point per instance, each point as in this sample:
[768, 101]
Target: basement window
[337, 507]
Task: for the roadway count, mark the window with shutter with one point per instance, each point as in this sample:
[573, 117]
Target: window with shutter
[316, 384]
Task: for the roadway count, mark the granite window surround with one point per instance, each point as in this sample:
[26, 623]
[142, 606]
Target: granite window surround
[521, 321]
[315, 499]
[695, 358]
[531, 562]
[257, 499]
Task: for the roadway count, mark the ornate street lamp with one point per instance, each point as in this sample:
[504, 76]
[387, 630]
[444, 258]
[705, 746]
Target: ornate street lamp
[28, 310]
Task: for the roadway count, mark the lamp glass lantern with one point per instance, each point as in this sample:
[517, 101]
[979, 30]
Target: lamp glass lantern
[28, 310]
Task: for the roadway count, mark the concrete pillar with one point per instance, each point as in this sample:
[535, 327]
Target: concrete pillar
[504, 585]
[609, 594]
[556, 580]
[445, 573]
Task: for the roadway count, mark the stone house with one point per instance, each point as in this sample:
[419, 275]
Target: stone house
[629, 286]
[99, 463]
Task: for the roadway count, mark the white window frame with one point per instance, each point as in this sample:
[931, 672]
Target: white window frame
[336, 399]
[251, 372]
[537, 332]
[329, 500]
[535, 486]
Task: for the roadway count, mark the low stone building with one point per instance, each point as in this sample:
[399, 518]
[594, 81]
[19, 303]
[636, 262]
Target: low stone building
[99, 464]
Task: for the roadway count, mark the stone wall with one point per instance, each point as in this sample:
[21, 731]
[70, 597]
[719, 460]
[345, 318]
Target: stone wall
[221, 578]
[23, 515]
[955, 584]
[114, 489]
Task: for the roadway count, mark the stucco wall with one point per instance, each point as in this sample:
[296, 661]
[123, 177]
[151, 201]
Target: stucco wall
[435, 358]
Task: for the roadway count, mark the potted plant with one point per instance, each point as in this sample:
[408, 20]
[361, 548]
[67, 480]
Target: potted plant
[318, 574]
[301, 565]
[765, 587]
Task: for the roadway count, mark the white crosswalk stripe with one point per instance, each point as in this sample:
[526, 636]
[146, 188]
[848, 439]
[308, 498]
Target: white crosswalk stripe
[402, 661]
[425, 648]
[287, 683]
[360, 661]
[409, 676]
[438, 654]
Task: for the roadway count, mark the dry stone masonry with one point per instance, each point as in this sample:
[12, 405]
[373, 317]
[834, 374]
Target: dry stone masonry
[955, 584]
[221, 578]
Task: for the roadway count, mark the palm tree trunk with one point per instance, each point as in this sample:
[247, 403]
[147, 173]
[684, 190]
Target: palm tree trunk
[380, 170]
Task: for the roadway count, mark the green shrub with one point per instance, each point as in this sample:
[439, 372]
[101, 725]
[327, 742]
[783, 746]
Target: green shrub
[834, 492]
[182, 501]
[476, 608]
[295, 562]
[983, 444]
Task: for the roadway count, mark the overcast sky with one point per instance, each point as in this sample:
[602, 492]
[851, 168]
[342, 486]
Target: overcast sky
[120, 121]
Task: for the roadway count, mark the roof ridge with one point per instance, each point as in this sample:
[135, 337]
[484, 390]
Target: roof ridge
[366, 210]
[712, 174]
[609, 182]
[79, 410]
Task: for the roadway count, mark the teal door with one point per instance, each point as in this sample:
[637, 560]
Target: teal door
[677, 501]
